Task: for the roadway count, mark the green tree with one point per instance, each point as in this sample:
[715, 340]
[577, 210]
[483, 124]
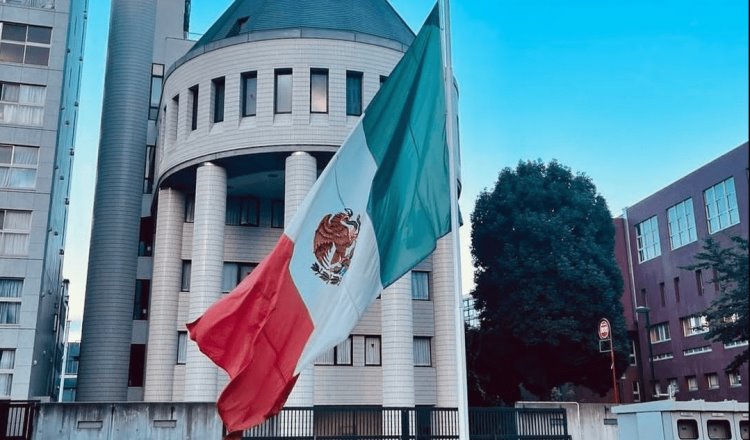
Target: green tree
[728, 314]
[545, 273]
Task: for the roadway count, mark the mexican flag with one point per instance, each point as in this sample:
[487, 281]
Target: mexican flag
[376, 211]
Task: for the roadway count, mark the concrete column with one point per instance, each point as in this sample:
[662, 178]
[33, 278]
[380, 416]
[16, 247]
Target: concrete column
[165, 289]
[299, 176]
[397, 344]
[206, 272]
[108, 310]
[444, 343]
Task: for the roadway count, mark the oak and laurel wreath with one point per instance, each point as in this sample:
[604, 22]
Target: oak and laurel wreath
[325, 276]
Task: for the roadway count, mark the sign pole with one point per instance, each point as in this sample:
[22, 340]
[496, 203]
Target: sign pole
[605, 335]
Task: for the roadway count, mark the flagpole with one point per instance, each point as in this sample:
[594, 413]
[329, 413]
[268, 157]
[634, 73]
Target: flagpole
[450, 127]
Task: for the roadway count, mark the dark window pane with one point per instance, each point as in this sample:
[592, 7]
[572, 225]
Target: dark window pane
[137, 363]
[354, 93]
[218, 99]
[14, 32]
[249, 90]
[12, 53]
[39, 34]
[37, 55]
[194, 107]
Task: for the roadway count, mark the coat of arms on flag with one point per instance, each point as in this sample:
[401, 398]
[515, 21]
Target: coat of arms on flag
[334, 244]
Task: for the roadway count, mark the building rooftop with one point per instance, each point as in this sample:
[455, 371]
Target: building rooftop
[370, 17]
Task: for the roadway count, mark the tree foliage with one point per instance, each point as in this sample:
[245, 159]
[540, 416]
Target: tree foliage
[545, 273]
[728, 314]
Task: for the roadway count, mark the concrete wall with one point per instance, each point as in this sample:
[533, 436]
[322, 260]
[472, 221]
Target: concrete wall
[133, 421]
[586, 421]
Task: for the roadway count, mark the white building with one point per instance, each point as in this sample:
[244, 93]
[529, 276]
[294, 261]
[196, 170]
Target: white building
[41, 52]
[248, 118]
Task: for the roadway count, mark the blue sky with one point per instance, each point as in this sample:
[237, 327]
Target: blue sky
[635, 94]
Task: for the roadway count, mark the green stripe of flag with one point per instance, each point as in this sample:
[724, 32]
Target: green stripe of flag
[405, 129]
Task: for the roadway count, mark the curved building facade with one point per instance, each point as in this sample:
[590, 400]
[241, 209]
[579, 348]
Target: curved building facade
[248, 118]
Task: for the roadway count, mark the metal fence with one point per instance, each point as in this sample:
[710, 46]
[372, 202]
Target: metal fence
[16, 419]
[428, 423]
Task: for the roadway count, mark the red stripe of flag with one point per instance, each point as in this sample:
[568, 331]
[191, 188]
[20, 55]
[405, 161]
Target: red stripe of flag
[256, 333]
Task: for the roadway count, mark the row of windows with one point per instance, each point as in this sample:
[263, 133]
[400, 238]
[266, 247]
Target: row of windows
[283, 85]
[710, 381]
[720, 202]
[18, 166]
[242, 211]
[44, 4]
[24, 44]
[691, 326]
[22, 104]
[699, 287]
[15, 227]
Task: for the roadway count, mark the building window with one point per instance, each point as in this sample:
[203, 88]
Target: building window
[676, 284]
[353, 93]
[148, 172]
[318, 90]
[383, 79]
[660, 332]
[662, 357]
[735, 344]
[137, 365]
[672, 386]
[174, 118]
[283, 90]
[44, 4]
[422, 352]
[218, 86]
[735, 379]
[18, 166]
[71, 364]
[647, 236]
[636, 391]
[662, 295]
[249, 93]
[25, 44]
[372, 350]
[242, 211]
[185, 279]
[712, 381]
[632, 356]
[692, 383]
[694, 325]
[141, 300]
[14, 232]
[233, 274]
[721, 206]
[696, 350]
[157, 80]
[181, 347]
[699, 282]
[338, 355]
[681, 223]
[22, 104]
[420, 285]
[277, 214]
[193, 107]
[11, 290]
[7, 363]
[146, 237]
[189, 208]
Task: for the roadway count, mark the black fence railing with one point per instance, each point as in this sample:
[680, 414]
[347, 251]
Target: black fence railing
[16, 419]
[428, 423]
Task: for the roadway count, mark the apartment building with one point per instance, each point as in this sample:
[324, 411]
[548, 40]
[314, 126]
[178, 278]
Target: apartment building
[41, 53]
[664, 302]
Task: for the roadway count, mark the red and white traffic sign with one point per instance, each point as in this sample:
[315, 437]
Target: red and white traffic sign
[604, 329]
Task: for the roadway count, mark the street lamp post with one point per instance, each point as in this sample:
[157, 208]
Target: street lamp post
[645, 311]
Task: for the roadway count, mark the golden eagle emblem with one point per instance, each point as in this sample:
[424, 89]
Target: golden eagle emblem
[333, 245]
